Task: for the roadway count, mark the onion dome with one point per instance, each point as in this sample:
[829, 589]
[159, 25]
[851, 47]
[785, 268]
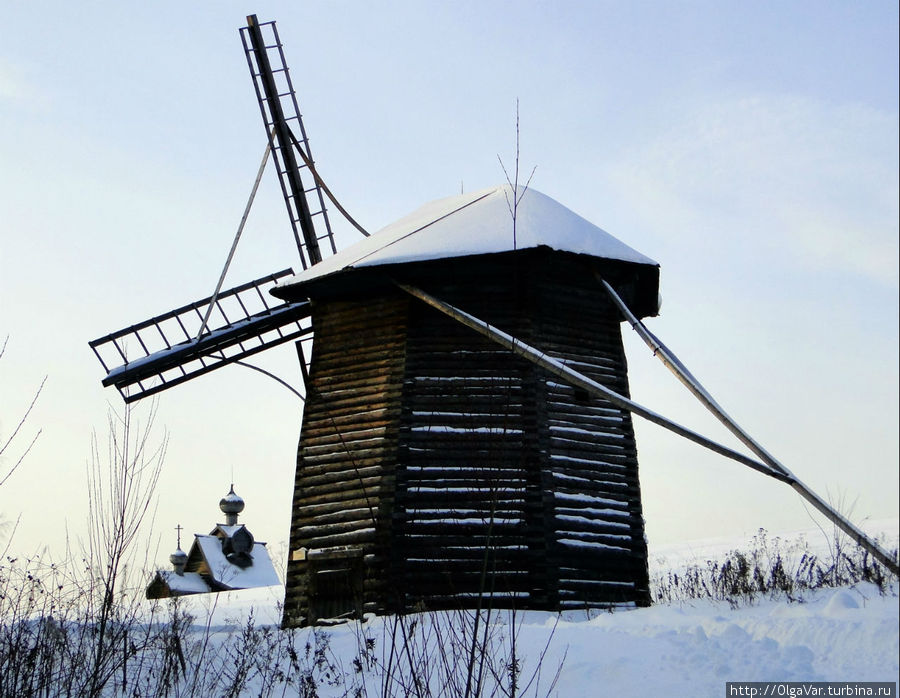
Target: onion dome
[231, 505]
[178, 560]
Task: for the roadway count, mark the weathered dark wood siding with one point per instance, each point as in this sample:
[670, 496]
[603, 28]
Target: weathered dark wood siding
[466, 501]
[599, 554]
[435, 466]
[344, 486]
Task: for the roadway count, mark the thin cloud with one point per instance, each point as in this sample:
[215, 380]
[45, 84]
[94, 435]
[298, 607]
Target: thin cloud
[13, 87]
[816, 182]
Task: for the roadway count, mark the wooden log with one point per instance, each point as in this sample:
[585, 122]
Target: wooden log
[307, 512]
[361, 537]
[324, 520]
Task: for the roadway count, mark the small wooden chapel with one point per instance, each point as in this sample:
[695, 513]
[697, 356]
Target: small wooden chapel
[227, 559]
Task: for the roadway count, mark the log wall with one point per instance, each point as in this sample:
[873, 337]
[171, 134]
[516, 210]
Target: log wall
[599, 553]
[435, 466]
[346, 463]
[468, 500]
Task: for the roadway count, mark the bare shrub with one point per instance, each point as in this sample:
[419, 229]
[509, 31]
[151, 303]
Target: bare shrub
[770, 567]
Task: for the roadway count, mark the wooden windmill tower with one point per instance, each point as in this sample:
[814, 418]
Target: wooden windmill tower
[435, 467]
[467, 430]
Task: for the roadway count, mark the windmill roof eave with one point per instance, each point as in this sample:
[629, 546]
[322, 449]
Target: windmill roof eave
[477, 223]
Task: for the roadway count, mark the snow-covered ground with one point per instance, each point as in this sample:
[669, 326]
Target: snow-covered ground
[688, 649]
[837, 635]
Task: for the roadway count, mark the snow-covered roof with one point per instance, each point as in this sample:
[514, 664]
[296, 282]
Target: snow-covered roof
[226, 530]
[260, 573]
[186, 583]
[474, 224]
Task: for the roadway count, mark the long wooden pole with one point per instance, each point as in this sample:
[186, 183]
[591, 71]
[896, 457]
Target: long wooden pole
[693, 385]
[575, 378]
[237, 237]
[283, 144]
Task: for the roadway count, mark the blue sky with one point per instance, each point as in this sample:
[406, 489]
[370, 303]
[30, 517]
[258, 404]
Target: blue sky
[750, 148]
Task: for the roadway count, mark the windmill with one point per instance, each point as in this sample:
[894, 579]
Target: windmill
[473, 438]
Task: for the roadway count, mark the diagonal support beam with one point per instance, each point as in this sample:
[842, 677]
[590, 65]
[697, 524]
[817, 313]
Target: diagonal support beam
[237, 237]
[575, 378]
[672, 362]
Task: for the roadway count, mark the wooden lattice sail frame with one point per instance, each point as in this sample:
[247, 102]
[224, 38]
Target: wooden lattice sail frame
[436, 467]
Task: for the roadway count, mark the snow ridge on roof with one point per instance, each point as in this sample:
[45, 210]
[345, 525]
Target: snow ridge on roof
[476, 223]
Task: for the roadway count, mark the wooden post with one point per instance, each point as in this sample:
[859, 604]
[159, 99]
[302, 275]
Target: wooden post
[693, 385]
[575, 378]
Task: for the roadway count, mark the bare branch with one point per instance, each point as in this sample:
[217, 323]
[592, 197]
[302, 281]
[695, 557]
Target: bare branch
[121, 490]
[513, 183]
[5, 445]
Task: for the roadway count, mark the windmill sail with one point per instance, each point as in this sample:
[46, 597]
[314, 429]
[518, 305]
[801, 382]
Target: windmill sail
[281, 117]
[164, 351]
[174, 347]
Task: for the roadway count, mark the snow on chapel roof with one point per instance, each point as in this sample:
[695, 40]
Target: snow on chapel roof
[473, 224]
[259, 573]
